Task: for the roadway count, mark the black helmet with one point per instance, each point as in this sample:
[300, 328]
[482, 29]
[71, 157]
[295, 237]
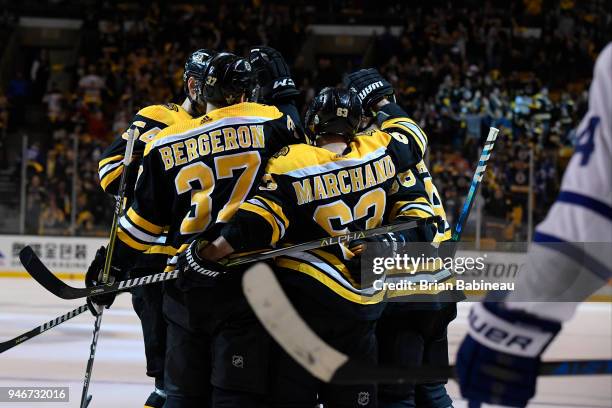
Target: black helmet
[196, 66]
[227, 78]
[333, 111]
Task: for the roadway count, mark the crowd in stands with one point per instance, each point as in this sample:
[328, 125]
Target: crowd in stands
[457, 69]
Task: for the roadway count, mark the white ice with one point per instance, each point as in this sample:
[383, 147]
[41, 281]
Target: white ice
[58, 357]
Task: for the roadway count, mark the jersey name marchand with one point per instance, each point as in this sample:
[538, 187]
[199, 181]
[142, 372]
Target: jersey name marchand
[337, 183]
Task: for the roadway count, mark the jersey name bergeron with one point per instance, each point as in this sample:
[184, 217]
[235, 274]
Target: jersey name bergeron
[334, 184]
[216, 141]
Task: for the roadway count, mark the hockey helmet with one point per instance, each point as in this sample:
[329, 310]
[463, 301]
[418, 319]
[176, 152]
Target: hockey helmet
[227, 78]
[333, 111]
[195, 67]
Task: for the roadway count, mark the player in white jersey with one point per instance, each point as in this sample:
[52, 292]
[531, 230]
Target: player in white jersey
[570, 258]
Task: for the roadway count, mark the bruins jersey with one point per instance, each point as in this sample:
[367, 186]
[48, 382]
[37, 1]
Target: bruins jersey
[416, 194]
[196, 173]
[149, 122]
[310, 192]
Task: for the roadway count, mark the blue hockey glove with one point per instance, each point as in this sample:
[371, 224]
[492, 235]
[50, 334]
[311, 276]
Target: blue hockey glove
[499, 359]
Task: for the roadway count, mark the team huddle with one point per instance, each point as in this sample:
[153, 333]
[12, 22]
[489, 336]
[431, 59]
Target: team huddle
[235, 170]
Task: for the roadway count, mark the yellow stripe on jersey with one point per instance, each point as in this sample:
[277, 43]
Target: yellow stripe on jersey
[416, 213]
[143, 223]
[397, 207]
[190, 128]
[129, 241]
[301, 156]
[245, 109]
[168, 114]
[106, 161]
[446, 236]
[162, 249]
[308, 269]
[336, 263]
[266, 215]
[278, 210]
[110, 177]
[408, 126]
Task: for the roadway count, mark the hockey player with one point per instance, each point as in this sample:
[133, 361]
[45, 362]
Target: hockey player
[410, 333]
[337, 183]
[147, 300]
[570, 258]
[194, 176]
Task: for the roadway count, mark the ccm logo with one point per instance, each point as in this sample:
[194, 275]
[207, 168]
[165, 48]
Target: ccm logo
[498, 335]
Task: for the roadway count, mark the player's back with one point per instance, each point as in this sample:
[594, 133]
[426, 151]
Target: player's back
[147, 122]
[311, 192]
[196, 173]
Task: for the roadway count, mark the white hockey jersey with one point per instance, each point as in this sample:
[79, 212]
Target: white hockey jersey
[580, 221]
[583, 210]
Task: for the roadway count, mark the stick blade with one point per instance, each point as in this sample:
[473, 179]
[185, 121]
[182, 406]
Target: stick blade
[281, 320]
[34, 266]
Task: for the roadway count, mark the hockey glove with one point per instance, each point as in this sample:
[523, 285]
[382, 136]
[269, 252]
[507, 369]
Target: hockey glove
[93, 277]
[370, 87]
[366, 250]
[499, 358]
[196, 269]
[274, 83]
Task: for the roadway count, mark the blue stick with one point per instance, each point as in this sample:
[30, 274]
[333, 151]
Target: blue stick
[476, 181]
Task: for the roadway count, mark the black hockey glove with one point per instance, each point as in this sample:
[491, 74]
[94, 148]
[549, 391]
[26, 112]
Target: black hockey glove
[93, 277]
[197, 270]
[366, 250]
[370, 86]
[387, 244]
[274, 83]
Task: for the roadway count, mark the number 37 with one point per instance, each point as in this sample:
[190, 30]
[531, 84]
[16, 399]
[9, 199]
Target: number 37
[199, 217]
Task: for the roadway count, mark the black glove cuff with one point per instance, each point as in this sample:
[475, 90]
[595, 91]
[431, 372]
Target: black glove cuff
[388, 111]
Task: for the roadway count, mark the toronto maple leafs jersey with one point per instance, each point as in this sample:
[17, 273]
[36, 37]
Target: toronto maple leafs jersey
[583, 209]
[579, 223]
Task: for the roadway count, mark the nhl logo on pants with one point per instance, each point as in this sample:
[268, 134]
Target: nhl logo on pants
[363, 398]
[238, 361]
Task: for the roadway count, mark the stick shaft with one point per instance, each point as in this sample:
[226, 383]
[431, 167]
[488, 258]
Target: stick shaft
[49, 281]
[90, 361]
[476, 181]
[9, 344]
[127, 158]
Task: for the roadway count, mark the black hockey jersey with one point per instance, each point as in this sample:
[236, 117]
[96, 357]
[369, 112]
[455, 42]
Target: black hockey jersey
[148, 122]
[417, 195]
[196, 173]
[310, 192]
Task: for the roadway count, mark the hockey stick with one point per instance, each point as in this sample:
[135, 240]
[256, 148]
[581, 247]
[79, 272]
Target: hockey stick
[476, 181]
[49, 281]
[9, 344]
[281, 320]
[127, 158]
[284, 324]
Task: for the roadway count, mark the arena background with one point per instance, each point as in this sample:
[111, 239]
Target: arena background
[73, 73]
